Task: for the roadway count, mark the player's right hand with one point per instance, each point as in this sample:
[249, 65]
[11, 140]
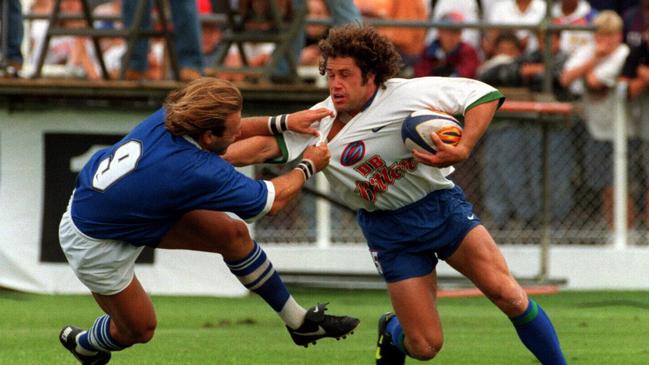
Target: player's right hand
[303, 121]
[319, 155]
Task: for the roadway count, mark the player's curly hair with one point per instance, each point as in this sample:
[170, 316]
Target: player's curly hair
[371, 51]
[202, 104]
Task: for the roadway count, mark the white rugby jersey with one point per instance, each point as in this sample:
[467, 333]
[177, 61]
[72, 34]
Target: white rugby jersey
[370, 167]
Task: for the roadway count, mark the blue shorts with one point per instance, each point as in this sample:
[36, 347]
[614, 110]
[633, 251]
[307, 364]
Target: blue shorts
[407, 242]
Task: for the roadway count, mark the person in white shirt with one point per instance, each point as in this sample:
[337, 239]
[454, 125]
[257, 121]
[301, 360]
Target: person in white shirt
[410, 211]
[523, 12]
[573, 12]
[593, 71]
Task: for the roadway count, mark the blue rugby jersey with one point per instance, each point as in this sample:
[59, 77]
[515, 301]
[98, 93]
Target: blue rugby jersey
[138, 188]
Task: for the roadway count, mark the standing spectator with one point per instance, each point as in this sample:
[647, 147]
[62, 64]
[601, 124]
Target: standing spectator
[448, 55]
[14, 56]
[184, 14]
[636, 73]
[593, 71]
[523, 12]
[342, 12]
[573, 12]
[408, 41]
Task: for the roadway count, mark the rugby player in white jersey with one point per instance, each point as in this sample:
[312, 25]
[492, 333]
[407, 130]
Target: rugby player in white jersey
[409, 210]
[164, 185]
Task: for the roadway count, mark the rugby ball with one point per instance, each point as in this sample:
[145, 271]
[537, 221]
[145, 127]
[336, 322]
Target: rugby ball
[417, 128]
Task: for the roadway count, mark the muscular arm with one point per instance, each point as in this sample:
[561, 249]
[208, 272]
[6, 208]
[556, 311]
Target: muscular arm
[299, 122]
[287, 187]
[254, 126]
[476, 122]
[252, 151]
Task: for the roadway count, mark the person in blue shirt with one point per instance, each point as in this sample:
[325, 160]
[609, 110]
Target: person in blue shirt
[165, 185]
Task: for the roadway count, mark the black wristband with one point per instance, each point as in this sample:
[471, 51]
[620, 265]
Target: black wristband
[307, 168]
[278, 124]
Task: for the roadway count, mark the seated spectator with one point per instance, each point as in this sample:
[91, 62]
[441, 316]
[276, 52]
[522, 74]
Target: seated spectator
[448, 55]
[69, 52]
[211, 36]
[256, 15]
[501, 69]
[593, 71]
[408, 41]
[470, 13]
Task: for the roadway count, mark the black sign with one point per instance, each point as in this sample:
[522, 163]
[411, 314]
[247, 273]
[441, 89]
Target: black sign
[65, 154]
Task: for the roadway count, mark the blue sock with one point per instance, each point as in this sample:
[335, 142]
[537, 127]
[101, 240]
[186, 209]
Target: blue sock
[257, 274]
[535, 330]
[396, 332]
[98, 337]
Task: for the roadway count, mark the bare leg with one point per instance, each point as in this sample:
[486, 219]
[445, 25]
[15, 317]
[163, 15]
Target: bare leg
[132, 315]
[415, 304]
[480, 260]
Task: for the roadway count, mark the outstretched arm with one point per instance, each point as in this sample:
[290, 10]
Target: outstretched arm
[299, 122]
[253, 150]
[314, 159]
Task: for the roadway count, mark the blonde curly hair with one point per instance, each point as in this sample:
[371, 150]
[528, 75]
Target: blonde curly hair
[201, 105]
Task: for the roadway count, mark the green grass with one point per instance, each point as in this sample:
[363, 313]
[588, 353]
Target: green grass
[594, 328]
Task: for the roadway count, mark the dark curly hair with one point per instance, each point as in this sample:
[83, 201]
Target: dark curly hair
[371, 51]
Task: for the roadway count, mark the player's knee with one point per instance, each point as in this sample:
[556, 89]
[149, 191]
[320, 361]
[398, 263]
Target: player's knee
[142, 333]
[510, 298]
[237, 232]
[422, 348]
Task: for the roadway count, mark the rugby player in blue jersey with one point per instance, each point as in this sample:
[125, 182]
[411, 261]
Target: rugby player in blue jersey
[165, 185]
[410, 211]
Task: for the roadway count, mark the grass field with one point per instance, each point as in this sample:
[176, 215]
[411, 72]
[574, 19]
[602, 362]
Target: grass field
[594, 328]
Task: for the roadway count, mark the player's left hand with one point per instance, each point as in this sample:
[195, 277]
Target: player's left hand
[446, 155]
[302, 121]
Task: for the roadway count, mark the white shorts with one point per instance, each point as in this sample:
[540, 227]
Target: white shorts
[104, 266]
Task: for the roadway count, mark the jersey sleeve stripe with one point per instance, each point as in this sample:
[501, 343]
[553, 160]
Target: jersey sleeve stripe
[283, 149]
[270, 198]
[494, 95]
